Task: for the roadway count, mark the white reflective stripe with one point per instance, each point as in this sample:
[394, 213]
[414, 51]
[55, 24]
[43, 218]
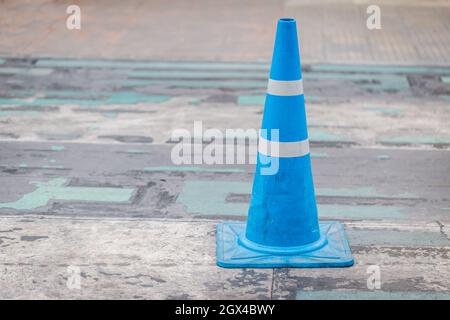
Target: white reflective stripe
[283, 149]
[285, 88]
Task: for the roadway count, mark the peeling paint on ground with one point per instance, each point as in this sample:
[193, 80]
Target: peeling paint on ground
[55, 190]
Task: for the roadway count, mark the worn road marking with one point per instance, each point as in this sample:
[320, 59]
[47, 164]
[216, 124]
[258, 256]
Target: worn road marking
[69, 63]
[193, 198]
[193, 169]
[15, 113]
[117, 98]
[55, 190]
[379, 69]
[322, 136]
[184, 74]
[415, 140]
[26, 71]
[57, 147]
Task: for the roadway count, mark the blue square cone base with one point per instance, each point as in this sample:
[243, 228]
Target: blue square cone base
[231, 253]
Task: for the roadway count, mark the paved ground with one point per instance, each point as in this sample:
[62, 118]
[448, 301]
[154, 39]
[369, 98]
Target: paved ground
[88, 187]
[412, 31]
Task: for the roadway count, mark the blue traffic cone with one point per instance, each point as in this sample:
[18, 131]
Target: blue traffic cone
[283, 228]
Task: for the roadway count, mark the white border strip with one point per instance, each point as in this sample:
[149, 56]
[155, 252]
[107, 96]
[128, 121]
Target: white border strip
[285, 88]
[283, 149]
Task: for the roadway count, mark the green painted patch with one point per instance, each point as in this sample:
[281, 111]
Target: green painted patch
[61, 94]
[42, 167]
[116, 98]
[195, 101]
[15, 81]
[383, 157]
[379, 69]
[319, 155]
[38, 72]
[26, 71]
[371, 295]
[13, 113]
[49, 167]
[134, 97]
[359, 211]
[188, 74]
[2, 61]
[209, 198]
[233, 84]
[136, 151]
[193, 169]
[251, 100]
[55, 190]
[309, 98]
[445, 79]
[11, 70]
[57, 148]
[416, 140]
[322, 136]
[122, 64]
[70, 94]
[49, 102]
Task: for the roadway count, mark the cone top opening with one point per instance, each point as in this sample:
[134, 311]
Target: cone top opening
[287, 20]
[286, 59]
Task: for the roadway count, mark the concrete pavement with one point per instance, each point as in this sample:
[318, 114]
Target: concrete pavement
[331, 31]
